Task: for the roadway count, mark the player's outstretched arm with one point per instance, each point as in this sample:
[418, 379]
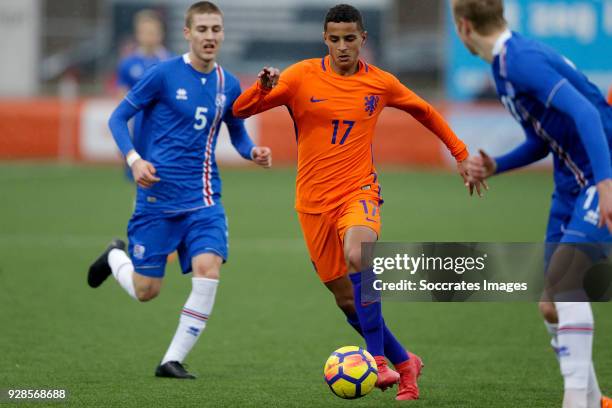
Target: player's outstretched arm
[260, 155]
[403, 98]
[531, 150]
[482, 166]
[438, 126]
[268, 92]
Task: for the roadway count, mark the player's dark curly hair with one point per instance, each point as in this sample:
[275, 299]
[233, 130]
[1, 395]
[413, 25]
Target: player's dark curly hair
[344, 13]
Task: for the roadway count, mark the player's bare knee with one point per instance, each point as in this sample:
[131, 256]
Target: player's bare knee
[145, 296]
[147, 288]
[206, 271]
[353, 258]
[207, 266]
[146, 293]
[549, 312]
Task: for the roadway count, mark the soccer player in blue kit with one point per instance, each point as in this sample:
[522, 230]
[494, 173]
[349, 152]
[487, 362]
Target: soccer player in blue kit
[178, 201]
[150, 51]
[564, 114]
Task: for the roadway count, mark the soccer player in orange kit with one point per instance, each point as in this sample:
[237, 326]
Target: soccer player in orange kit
[335, 103]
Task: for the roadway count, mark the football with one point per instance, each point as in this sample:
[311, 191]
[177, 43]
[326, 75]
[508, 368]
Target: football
[350, 372]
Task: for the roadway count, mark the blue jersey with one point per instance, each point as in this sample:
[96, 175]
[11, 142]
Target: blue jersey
[130, 70]
[559, 109]
[182, 114]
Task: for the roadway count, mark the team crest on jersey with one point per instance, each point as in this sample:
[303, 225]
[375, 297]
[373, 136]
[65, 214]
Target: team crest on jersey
[220, 101]
[139, 251]
[371, 103]
[136, 71]
[181, 94]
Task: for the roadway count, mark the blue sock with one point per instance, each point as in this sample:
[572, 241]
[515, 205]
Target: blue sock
[394, 351]
[353, 320]
[370, 319]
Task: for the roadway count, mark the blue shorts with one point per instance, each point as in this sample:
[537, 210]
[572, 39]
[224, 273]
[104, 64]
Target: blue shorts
[574, 219]
[153, 236]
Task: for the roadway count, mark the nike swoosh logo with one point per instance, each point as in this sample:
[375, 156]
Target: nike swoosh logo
[371, 220]
[314, 100]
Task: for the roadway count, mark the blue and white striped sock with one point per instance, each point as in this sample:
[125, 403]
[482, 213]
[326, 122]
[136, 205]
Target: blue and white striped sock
[575, 345]
[593, 390]
[194, 317]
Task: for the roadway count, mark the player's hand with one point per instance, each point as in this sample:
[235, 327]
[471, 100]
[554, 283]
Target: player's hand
[144, 173]
[262, 156]
[268, 77]
[481, 167]
[471, 183]
[604, 189]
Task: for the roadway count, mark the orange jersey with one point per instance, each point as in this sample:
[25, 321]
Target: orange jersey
[335, 117]
[610, 96]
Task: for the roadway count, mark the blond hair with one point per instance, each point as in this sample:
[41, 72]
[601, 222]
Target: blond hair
[487, 16]
[147, 15]
[201, 7]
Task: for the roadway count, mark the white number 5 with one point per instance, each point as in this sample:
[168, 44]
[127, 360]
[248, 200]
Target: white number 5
[200, 118]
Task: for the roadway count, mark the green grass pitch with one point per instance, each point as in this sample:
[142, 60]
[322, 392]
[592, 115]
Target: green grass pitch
[274, 324]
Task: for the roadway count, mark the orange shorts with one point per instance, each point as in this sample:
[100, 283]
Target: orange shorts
[324, 233]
